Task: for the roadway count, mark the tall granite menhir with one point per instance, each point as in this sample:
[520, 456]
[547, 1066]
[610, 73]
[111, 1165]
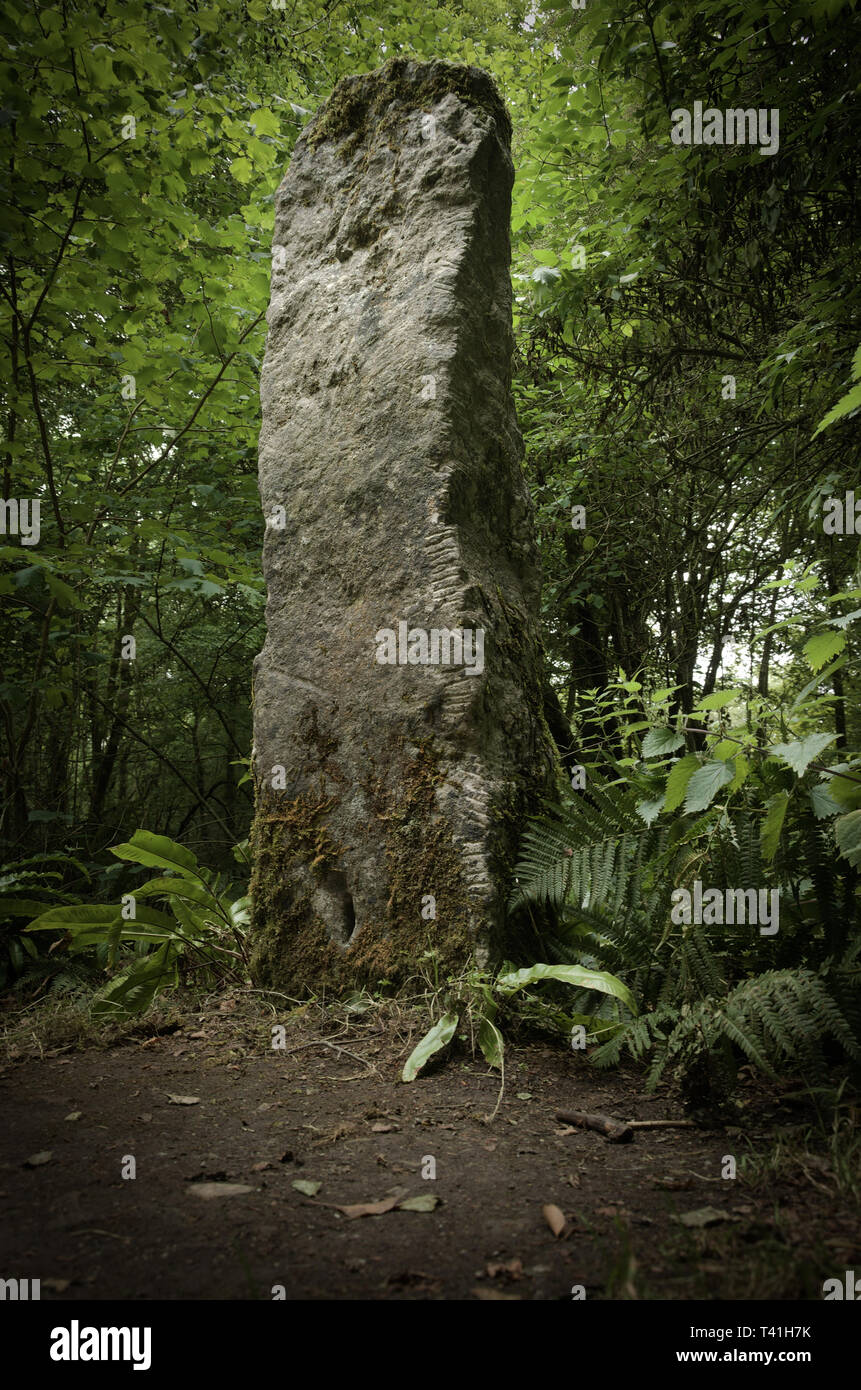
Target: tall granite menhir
[398, 735]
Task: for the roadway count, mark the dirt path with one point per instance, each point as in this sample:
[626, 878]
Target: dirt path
[265, 1119]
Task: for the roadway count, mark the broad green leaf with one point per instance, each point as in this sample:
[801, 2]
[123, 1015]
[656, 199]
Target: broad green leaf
[184, 888]
[576, 975]
[845, 787]
[802, 751]
[438, 1037]
[158, 852]
[680, 774]
[97, 921]
[650, 810]
[77, 917]
[265, 122]
[822, 803]
[848, 832]
[491, 1043]
[705, 784]
[822, 647]
[659, 742]
[719, 699]
[21, 907]
[775, 815]
[742, 768]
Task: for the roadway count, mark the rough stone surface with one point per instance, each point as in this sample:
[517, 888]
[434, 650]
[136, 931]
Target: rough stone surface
[391, 483]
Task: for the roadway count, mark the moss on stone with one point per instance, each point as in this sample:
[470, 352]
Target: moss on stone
[293, 950]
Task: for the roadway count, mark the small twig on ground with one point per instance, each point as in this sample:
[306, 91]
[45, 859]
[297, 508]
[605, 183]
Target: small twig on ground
[660, 1124]
[325, 1042]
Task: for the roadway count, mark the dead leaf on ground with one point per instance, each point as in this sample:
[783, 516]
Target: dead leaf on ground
[426, 1201]
[183, 1100]
[36, 1160]
[209, 1190]
[74, 1115]
[555, 1218]
[512, 1269]
[306, 1186]
[703, 1216]
[357, 1209]
[380, 1128]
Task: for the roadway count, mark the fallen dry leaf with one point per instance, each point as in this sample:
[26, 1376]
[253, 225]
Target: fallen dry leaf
[426, 1201]
[367, 1208]
[555, 1218]
[380, 1128]
[703, 1216]
[210, 1190]
[512, 1268]
[305, 1186]
[183, 1100]
[74, 1115]
[36, 1160]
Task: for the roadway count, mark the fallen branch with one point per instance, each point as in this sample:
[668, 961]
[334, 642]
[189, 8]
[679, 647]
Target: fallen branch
[615, 1130]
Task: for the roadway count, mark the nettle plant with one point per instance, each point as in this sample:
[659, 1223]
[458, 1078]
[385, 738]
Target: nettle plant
[739, 793]
[202, 930]
[733, 754]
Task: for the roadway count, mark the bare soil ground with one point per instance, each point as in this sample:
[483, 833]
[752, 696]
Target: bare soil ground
[649, 1219]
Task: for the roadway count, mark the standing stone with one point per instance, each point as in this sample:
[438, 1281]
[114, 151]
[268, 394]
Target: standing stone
[399, 739]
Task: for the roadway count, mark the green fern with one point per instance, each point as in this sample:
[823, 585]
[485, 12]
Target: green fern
[709, 994]
[779, 1017]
